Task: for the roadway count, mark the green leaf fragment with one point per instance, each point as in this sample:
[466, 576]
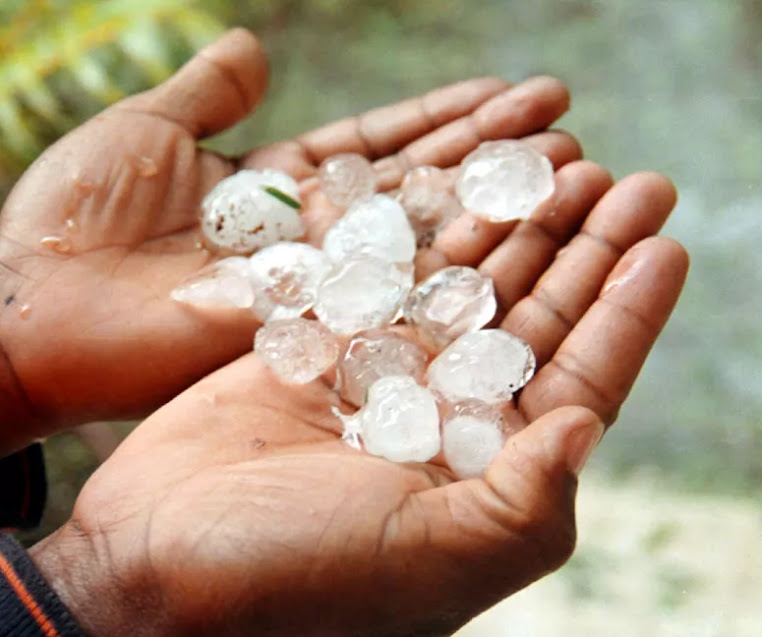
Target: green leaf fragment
[282, 196]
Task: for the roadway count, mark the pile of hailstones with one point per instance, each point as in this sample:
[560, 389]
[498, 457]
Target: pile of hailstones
[362, 282]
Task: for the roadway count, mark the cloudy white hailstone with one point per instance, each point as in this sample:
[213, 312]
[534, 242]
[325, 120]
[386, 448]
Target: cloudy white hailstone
[297, 350]
[488, 365]
[430, 205]
[504, 180]
[373, 354]
[347, 178]
[361, 293]
[471, 438]
[451, 302]
[285, 277]
[376, 227]
[400, 420]
[224, 283]
[252, 209]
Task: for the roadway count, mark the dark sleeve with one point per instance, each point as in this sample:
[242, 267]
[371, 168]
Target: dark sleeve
[22, 488]
[28, 606]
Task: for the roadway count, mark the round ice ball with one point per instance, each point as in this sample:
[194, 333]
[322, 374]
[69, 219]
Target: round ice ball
[252, 209]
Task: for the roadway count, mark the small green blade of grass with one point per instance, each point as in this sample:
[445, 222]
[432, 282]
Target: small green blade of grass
[282, 196]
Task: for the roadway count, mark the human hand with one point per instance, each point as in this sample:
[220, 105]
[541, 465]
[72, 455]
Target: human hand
[90, 333]
[237, 510]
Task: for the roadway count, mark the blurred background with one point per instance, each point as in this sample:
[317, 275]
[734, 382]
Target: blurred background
[670, 512]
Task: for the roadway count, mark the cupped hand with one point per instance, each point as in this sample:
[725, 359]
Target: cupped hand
[237, 510]
[104, 225]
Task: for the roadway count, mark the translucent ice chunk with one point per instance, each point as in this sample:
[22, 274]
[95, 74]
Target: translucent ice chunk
[471, 438]
[224, 283]
[489, 365]
[347, 178]
[285, 277]
[361, 294]
[451, 302]
[430, 205]
[252, 209]
[400, 421]
[374, 354]
[376, 227]
[352, 427]
[504, 180]
[297, 350]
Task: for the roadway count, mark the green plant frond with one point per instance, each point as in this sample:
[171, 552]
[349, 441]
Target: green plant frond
[16, 135]
[95, 80]
[143, 42]
[197, 28]
[60, 60]
[43, 103]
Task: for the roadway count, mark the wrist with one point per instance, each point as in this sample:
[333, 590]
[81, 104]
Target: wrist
[104, 601]
[18, 425]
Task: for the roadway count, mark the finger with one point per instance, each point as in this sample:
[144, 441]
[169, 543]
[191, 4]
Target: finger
[469, 239]
[635, 208]
[384, 130]
[428, 261]
[218, 87]
[517, 524]
[375, 132]
[517, 263]
[289, 156]
[600, 359]
[516, 112]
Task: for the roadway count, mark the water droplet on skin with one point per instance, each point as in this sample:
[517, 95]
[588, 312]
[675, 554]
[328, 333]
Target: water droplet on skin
[24, 311]
[85, 187]
[145, 166]
[71, 225]
[56, 243]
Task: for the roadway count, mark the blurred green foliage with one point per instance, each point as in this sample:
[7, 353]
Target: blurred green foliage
[668, 86]
[63, 60]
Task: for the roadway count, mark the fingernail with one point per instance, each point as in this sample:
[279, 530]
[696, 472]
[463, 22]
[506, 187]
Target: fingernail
[580, 444]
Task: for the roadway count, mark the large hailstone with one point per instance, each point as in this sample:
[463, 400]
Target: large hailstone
[504, 180]
[374, 354]
[252, 209]
[285, 277]
[450, 302]
[425, 195]
[222, 284]
[400, 420]
[471, 438]
[376, 227]
[297, 350]
[362, 293]
[488, 365]
[346, 178]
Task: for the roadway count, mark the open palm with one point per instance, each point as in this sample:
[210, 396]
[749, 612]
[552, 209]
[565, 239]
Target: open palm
[89, 332]
[235, 509]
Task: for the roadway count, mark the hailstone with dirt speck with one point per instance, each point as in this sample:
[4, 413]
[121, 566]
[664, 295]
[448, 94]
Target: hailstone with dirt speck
[250, 210]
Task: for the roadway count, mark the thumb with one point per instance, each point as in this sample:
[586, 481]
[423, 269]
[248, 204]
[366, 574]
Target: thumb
[517, 523]
[218, 87]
